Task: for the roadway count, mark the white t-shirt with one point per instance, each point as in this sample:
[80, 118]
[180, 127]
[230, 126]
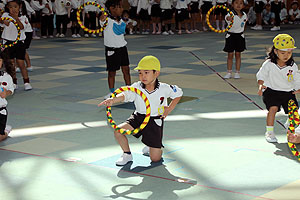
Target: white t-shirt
[10, 32]
[295, 12]
[239, 23]
[182, 4]
[7, 83]
[114, 33]
[157, 98]
[285, 78]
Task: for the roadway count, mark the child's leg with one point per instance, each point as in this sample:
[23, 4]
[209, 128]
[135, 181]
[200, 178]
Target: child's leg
[153, 26]
[271, 115]
[27, 60]
[155, 154]
[229, 61]
[21, 65]
[122, 139]
[3, 137]
[126, 74]
[111, 79]
[238, 61]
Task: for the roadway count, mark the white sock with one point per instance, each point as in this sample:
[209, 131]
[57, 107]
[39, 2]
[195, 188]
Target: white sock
[270, 129]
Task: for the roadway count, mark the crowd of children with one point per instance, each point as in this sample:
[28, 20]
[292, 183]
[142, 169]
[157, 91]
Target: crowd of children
[273, 12]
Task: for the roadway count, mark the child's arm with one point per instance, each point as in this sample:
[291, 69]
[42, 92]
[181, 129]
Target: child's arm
[261, 86]
[5, 93]
[168, 109]
[111, 101]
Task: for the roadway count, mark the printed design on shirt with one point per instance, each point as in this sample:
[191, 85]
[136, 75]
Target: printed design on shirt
[290, 75]
[243, 23]
[119, 29]
[161, 109]
[173, 88]
[3, 85]
[110, 53]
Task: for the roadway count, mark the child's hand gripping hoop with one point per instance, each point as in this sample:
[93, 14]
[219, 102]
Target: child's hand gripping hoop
[294, 121]
[211, 27]
[80, 22]
[4, 46]
[147, 117]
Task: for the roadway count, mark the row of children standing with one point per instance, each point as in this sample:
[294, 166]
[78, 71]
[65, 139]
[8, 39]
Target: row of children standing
[274, 9]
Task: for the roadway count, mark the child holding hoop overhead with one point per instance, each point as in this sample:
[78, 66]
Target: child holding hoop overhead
[157, 94]
[9, 36]
[278, 80]
[235, 39]
[116, 53]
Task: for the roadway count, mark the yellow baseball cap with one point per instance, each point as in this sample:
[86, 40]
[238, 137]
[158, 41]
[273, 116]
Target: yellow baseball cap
[148, 63]
[284, 42]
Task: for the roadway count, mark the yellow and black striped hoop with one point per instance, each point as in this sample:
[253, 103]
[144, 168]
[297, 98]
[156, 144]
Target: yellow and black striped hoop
[4, 46]
[211, 27]
[80, 22]
[147, 117]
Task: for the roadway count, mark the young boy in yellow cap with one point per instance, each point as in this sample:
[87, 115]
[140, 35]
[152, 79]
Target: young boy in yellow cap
[278, 80]
[157, 94]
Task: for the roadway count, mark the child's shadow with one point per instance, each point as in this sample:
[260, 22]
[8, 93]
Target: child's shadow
[283, 149]
[158, 181]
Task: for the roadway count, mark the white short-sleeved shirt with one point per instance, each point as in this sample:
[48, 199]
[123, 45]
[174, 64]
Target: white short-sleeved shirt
[285, 78]
[157, 98]
[114, 33]
[10, 32]
[239, 23]
[7, 83]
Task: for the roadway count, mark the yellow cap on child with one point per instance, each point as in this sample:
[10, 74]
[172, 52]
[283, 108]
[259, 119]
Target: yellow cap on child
[148, 63]
[284, 42]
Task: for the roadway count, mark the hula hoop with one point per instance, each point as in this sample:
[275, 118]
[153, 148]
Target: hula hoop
[147, 117]
[80, 22]
[3, 46]
[211, 27]
[294, 121]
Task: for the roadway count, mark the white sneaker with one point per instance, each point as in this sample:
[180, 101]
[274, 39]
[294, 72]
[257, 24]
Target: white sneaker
[16, 86]
[27, 86]
[227, 76]
[78, 35]
[74, 36]
[171, 32]
[86, 35]
[51, 36]
[44, 37]
[57, 35]
[130, 32]
[146, 151]
[18, 70]
[107, 96]
[205, 29]
[36, 37]
[196, 31]
[165, 33]
[257, 27]
[270, 137]
[236, 76]
[124, 159]
[62, 35]
[275, 28]
[29, 69]
[8, 129]
[93, 35]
